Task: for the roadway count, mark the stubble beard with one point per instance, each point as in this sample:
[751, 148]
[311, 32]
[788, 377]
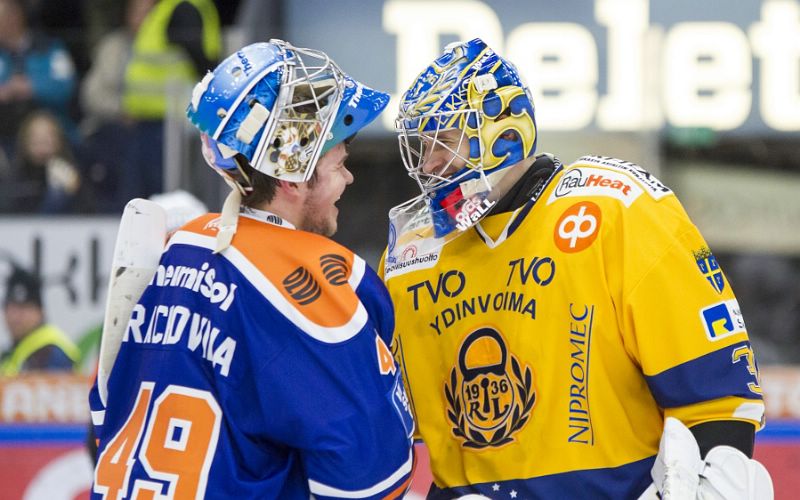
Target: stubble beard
[315, 222]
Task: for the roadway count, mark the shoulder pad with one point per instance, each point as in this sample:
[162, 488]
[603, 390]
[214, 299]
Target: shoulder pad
[312, 273]
[309, 279]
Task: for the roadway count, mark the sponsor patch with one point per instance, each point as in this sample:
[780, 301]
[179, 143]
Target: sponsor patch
[577, 227]
[409, 252]
[335, 269]
[722, 320]
[709, 268]
[410, 261]
[301, 286]
[648, 181]
[596, 182]
[201, 280]
[402, 404]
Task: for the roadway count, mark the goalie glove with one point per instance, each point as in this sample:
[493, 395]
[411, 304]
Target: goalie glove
[728, 473]
[725, 474]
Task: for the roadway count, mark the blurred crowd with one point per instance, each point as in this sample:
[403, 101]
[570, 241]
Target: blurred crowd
[84, 89]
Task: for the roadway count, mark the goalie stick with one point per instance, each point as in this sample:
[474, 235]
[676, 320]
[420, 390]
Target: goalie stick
[140, 242]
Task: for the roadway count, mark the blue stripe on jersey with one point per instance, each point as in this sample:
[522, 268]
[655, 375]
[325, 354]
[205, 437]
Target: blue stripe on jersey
[392, 487]
[373, 294]
[706, 378]
[626, 481]
[521, 217]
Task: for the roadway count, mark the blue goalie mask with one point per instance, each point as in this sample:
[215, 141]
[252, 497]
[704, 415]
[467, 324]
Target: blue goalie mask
[281, 107]
[479, 102]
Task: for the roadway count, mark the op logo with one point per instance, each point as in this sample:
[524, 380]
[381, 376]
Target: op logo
[709, 268]
[489, 395]
[577, 227]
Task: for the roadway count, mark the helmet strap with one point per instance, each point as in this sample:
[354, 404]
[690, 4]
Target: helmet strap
[229, 219]
[482, 183]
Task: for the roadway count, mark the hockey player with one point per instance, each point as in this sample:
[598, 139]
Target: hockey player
[551, 319]
[256, 363]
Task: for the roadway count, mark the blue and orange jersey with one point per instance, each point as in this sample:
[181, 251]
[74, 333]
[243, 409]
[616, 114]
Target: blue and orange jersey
[544, 347]
[259, 372]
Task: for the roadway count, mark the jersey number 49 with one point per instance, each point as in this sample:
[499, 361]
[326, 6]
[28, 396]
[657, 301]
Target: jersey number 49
[179, 436]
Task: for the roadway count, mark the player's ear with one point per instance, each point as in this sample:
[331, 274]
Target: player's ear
[292, 191]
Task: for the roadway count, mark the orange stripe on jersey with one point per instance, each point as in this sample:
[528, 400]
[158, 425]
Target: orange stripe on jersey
[401, 490]
[206, 224]
[309, 270]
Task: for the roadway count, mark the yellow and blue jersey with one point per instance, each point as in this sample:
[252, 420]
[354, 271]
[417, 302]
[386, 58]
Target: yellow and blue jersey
[543, 348]
[260, 372]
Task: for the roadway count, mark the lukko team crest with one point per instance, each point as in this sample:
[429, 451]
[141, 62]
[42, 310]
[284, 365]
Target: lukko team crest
[489, 395]
[709, 268]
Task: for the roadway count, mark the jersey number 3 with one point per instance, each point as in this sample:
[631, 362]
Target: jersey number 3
[180, 437]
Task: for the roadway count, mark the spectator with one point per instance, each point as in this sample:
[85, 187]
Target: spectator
[37, 345]
[101, 17]
[35, 71]
[65, 21]
[105, 127]
[177, 42]
[101, 90]
[45, 178]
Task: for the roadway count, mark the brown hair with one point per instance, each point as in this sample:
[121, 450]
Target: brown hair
[263, 186]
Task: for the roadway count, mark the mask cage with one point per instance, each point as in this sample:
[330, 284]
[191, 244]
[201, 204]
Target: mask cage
[416, 146]
[309, 97]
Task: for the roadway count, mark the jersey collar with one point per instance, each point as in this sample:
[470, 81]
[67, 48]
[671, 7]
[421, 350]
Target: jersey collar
[488, 227]
[265, 216]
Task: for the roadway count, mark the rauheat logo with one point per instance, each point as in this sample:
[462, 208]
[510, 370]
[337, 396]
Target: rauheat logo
[596, 182]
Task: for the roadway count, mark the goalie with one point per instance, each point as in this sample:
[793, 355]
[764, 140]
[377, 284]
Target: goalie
[551, 318]
[255, 364]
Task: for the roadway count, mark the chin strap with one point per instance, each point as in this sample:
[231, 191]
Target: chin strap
[472, 187]
[229, 218]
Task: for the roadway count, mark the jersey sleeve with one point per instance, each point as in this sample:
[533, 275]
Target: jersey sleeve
[342, 403]
[682, 322]
[343, 415]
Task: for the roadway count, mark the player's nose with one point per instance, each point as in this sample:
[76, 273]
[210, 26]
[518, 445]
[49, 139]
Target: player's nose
[432, 163]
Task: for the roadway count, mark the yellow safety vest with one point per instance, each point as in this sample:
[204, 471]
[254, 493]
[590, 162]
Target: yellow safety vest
[43, 336]
[157, 64]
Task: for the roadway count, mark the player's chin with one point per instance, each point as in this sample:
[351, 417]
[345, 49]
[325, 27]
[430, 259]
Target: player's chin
[332, 224]
[328, 225]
